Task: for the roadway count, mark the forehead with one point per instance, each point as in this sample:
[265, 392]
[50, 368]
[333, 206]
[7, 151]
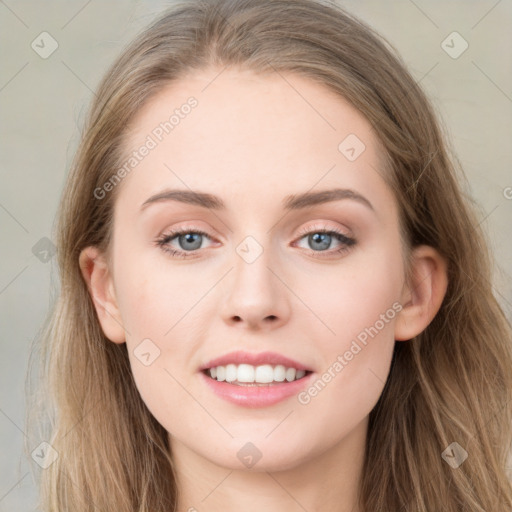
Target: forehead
[250, 135]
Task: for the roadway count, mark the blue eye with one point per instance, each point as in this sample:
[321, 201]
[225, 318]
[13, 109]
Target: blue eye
[188, 239]
[190, 242]
[322, 239]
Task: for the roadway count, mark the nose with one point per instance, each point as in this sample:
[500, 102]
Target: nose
[256, 297]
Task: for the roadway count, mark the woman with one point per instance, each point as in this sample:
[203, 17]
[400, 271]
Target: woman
[329, 340]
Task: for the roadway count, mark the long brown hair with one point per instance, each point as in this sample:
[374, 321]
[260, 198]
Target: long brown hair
[452, 383]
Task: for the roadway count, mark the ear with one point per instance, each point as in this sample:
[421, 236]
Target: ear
[422, 298]
[101, 287]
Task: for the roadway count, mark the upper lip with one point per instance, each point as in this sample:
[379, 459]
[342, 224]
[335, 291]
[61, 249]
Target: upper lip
[254, 359]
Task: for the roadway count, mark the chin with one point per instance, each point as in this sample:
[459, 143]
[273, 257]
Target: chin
[259, 455]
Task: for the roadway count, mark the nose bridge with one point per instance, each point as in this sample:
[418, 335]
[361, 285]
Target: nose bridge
[254, 293]
[252, 262]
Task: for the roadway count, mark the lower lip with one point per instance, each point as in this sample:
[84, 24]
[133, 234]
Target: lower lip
[256, 396]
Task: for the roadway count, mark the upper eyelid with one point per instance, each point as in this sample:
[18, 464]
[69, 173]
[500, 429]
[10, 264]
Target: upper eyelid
[319, 226]
[303, 232]
[347, 241]
[322, 226]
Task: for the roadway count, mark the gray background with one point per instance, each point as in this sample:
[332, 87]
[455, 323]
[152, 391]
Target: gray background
[42, 105]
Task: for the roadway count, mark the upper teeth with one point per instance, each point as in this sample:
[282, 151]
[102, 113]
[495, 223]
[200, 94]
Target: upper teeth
[263, 374]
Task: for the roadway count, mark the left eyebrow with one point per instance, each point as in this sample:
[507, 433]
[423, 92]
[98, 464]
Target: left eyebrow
[299, 201]
[291, 202]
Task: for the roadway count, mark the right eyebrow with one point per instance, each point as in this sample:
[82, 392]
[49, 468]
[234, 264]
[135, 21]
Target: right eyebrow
[187, 196]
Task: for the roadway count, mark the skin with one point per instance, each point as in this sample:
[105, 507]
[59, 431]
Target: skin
[254, 140]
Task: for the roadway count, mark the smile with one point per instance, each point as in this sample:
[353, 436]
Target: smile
[250, 375]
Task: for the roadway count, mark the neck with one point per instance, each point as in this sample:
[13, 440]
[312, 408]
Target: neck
[326, 482]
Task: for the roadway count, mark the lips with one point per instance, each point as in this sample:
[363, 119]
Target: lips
[255, 380]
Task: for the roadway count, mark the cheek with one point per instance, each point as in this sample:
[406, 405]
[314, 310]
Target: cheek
[159, 351]
[145, 310]
[355, 295]
[359, 306]
[356, 368]
[151, 299]
[157, 310]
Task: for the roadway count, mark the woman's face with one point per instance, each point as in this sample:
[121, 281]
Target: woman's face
[264, 288]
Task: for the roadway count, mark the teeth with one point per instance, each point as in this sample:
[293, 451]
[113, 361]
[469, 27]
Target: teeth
[221, 373]
[264, 374]
[231, 372]
[279, 373]
[247, 374]
[300, 374]
[290, 374]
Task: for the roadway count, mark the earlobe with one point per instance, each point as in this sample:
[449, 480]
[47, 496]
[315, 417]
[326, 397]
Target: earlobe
[422, 297]
[99, 282]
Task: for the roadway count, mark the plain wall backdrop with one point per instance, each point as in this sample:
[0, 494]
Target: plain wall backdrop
[43, 99]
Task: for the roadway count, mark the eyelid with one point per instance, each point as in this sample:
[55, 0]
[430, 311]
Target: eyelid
[322, 226]
[318, 225]
[346, 240]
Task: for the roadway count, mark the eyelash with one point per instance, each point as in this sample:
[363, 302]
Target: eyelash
[346, 241]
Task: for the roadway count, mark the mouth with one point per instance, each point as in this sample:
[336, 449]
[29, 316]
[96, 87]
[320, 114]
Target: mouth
[251, 379]
[248, 375]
